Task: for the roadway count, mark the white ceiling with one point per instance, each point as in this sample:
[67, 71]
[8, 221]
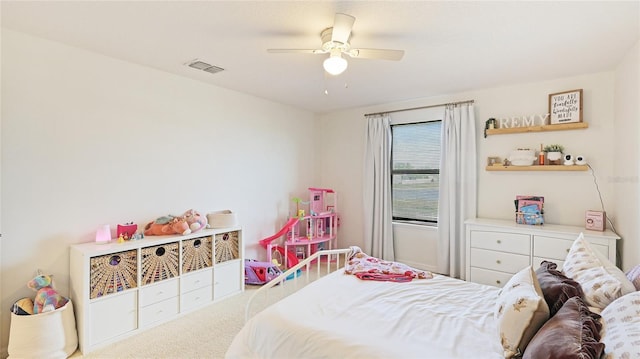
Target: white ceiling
[449, 46]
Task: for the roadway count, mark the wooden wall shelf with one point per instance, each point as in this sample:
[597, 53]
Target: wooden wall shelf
[560, 127]
[538, 168]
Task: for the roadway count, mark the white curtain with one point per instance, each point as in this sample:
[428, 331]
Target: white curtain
[377, 188]
[458, 188]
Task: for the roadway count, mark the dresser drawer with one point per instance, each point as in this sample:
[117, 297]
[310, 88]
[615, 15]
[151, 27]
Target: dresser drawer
[500, 261]
[499, 241]
[557, 248]
[196, 298]
[158, 311]
[195, 280]
[489, 277]
[549, 247]
[155, 293]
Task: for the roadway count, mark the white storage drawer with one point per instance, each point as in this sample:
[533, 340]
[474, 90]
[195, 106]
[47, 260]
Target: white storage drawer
[160, 291]
[227, 279]
[158, 311]
[557, 249]
[108, 323]
[489, 277]
[500, 261]
[196, 298]
[504, 242]
[554, 248]
[195, 280]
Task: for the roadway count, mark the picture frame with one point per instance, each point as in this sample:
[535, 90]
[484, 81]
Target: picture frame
[565, 107]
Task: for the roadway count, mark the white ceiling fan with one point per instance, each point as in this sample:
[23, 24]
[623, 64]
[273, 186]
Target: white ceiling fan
[335, 42]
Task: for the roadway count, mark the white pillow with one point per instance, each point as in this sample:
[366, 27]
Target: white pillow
[634, 276]
[520, 311]
[621, 327]
[602, 282]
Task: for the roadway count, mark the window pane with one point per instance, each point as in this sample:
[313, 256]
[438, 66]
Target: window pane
[415, 158]
[416, 146]
[416, 197]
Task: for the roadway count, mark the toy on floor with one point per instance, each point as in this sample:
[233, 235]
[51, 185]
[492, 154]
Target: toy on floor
[167, 225]
[195, 221]
[47, 298]
[23, 306]
[259, 272]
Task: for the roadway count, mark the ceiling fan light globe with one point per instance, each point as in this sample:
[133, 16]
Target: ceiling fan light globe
[335, 65]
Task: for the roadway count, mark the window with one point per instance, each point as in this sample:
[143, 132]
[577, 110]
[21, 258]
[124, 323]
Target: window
[415, 171]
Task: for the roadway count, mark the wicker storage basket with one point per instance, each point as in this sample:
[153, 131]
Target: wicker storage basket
[113, 273]
[159, 263]
[222, 219]
[196, 254]
[46, 335]
[226, 246]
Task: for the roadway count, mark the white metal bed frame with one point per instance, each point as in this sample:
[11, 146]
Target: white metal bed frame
[321, 263]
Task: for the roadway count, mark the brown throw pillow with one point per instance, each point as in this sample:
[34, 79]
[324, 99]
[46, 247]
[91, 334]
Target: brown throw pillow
[574, 332]
[556, 287]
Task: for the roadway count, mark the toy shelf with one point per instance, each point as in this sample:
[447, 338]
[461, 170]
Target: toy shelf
[538, 168]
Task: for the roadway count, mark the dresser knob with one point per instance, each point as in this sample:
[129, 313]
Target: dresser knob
[567, 250]
[499, 241]
[498, 281]
[498, 261]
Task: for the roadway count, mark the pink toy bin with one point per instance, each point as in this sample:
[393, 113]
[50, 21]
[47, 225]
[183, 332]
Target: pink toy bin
[46, 335]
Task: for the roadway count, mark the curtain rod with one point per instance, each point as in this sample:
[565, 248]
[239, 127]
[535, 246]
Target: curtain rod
[420, 108]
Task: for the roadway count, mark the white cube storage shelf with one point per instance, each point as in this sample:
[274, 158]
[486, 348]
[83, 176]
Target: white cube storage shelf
[119, 289]
[497, 249]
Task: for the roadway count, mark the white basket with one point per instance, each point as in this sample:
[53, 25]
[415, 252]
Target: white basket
[222, 219]
[46, 335]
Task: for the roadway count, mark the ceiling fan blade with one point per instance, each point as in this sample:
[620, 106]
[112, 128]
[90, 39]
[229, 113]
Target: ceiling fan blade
[342, 28]
[296, 51]
[380, 54]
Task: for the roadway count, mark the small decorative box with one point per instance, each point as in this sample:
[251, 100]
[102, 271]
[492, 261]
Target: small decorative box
[594, 220]
[127, 230]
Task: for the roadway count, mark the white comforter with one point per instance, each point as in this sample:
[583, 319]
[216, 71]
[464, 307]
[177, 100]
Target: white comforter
[341, 316]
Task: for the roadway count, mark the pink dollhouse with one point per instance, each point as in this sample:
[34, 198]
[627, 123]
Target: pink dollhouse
[307, 231]
[320, 225]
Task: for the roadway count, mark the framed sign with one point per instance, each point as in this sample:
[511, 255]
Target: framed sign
[565, 107]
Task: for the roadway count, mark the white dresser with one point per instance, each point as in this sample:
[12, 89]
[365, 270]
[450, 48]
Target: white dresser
[119, 289]
[497, 249]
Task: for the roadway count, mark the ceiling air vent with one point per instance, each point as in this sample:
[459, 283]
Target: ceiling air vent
[201, 65]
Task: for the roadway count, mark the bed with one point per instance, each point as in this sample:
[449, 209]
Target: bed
[342, 316]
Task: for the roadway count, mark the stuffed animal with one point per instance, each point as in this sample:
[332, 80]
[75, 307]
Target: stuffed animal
[47, 298]
[167, 225]
[195, 220]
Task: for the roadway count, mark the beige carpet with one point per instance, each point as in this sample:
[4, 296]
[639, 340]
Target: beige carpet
[204, 333]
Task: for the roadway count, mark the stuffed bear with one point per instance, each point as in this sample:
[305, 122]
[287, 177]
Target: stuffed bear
[195, 220]
[167, 225]
[47, 298]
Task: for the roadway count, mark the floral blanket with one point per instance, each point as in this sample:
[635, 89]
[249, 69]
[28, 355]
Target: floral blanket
[367, 267]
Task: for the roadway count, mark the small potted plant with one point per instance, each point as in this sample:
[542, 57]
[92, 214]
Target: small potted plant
[554, 153]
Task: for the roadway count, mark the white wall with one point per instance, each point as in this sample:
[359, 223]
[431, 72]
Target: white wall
[627, 149]
[567, 194]
[88, 140]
